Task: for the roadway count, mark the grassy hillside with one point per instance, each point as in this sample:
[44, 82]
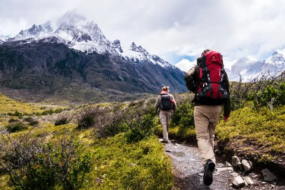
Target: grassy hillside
[8, 105]
[112, 145]
[256, 132]
[105, 146]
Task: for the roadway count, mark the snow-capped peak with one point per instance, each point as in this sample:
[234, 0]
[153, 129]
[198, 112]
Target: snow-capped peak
[36, 31]
[82, 35]
[117, 46]
[276, 59]
[78, 33]
[138, 53]
[3, 38]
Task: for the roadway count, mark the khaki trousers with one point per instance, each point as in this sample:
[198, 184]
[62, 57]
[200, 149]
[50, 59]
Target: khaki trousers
[165, 117]
[206, 118]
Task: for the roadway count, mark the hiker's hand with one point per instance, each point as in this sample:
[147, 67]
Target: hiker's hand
[226, 118]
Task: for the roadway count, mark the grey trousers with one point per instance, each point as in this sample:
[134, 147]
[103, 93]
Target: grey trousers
[165, 117]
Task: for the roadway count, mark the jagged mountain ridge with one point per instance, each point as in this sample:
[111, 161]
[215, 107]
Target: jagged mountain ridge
[249, 69]
[48, 61]
[78, 33]
[3, 39]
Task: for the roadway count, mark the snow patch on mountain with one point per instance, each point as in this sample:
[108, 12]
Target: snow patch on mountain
[77, 33]
[3, 38]
[276, 59]
[35, 32]
[139, 54]
[250, 69]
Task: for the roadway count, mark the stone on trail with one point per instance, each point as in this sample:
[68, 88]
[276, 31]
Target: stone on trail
[246, 165]
[225, 169]
[228, 164]
[268, 175]
[238, 182]
[235, 161]
[220, 165]
[234, 174]
[248, 180]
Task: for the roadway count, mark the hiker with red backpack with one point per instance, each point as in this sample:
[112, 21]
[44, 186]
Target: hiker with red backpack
[210, 83]
[165, 102]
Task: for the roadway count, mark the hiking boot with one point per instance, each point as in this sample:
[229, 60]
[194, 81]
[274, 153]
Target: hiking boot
[208, 172]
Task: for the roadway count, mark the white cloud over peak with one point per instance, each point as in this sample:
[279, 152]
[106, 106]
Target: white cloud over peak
[228, 63]
[185, 64]
[234, 28]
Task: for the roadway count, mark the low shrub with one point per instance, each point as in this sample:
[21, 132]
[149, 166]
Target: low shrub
[34, 123]
[16, 113]
[58, 110]
[31, 121]
[13, 120]
[63, 119]
[137, 122]
[142, 126]
[110, 124]
[87, 118]
[28, 119]
[182, 124]
[270, 96]
[47, 112]
[14, 127]
[46, 166]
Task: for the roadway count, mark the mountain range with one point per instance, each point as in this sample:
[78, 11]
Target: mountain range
[250, 69]
[76, 59]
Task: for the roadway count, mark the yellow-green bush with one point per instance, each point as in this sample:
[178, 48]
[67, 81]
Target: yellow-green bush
[261, 127]
[123, 165]
[182, 124]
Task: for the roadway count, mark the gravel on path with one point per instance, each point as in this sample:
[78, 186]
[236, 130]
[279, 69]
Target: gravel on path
[188, 171]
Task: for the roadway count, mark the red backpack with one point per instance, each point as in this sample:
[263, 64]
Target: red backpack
[212, 77]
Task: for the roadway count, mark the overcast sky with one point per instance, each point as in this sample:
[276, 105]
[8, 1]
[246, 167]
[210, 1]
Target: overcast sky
[176, 30]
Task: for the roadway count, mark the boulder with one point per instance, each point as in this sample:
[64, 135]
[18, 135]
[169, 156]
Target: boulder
[246, 165]
[228, 164]
[238, 182]
[225, 169]
[235, 161]
[268, 175]
[234, 174]
[248, 180]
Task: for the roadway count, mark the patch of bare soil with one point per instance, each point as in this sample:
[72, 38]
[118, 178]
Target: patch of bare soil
[188, 171]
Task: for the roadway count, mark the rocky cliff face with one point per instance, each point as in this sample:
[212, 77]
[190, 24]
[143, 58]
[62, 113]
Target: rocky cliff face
[47, 61]
[48, 67]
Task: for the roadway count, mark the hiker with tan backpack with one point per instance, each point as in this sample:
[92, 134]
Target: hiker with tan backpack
[209, 81]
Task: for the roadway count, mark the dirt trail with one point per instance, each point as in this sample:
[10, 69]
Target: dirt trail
[188, 171]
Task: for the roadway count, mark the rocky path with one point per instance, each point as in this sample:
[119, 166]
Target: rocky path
[188, 172]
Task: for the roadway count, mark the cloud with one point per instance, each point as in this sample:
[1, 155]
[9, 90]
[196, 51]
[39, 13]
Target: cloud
[185, 27]
[228, 63]
[185, 64]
